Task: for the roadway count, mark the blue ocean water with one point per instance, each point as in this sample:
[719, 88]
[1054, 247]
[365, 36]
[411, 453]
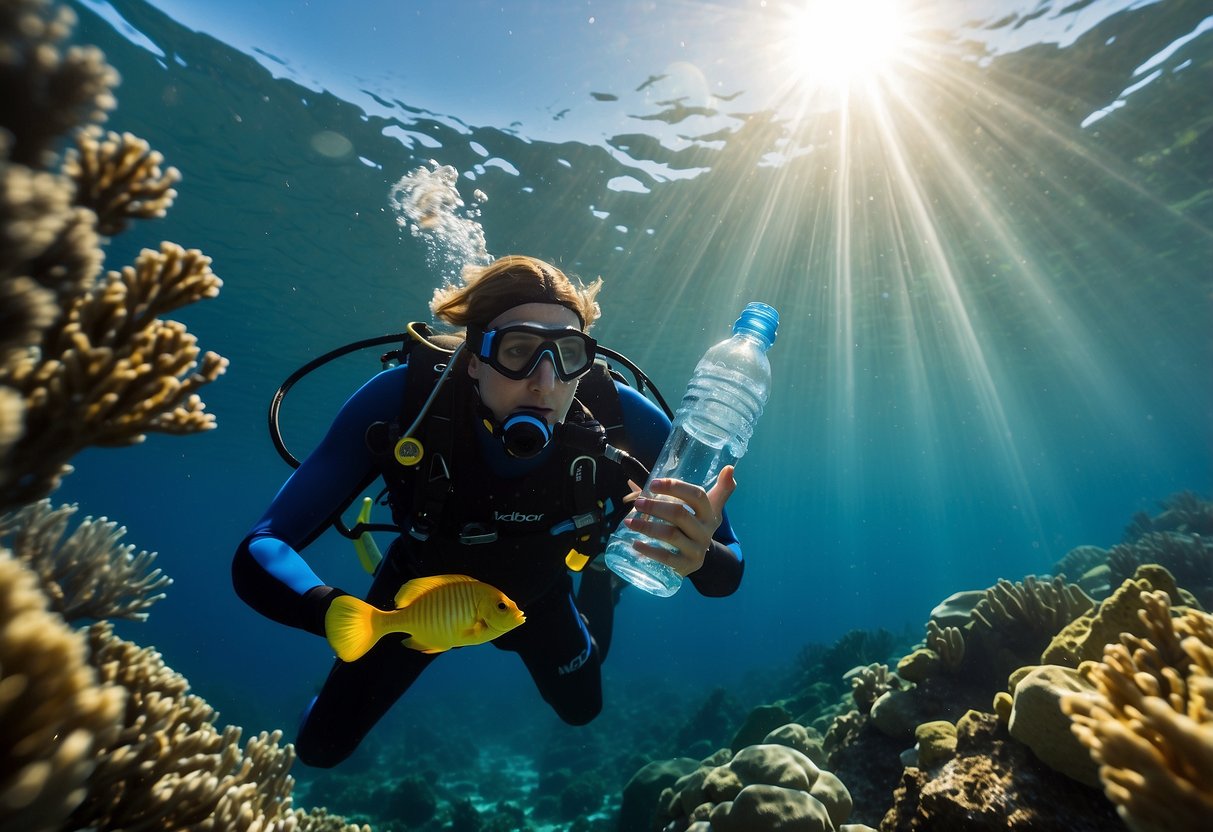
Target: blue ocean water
[991, 258]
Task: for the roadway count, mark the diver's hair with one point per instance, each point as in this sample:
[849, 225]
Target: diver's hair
[485, 292]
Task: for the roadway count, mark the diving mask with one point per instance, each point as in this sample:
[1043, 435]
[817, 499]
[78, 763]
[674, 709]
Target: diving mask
[515, 351]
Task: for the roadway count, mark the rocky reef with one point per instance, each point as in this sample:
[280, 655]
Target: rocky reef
[1033, 704]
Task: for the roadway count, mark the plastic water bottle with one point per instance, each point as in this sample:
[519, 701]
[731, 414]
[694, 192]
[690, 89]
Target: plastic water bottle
[712, 429]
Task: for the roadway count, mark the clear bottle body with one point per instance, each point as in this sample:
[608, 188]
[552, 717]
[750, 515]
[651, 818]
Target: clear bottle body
[712, 428]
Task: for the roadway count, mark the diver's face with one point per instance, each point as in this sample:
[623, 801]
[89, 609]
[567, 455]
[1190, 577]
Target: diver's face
[542, 392]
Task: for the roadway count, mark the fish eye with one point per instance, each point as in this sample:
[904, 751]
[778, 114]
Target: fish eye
[501, 605]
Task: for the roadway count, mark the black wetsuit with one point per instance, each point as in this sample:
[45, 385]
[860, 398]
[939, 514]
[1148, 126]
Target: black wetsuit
[525, 503]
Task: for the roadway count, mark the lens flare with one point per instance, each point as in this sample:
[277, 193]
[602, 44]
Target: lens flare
[833, 44]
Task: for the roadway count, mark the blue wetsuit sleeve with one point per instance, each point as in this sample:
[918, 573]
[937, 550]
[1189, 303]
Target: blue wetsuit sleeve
[647, 427]
[268, 572]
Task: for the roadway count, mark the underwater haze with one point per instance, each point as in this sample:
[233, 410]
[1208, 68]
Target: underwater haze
[987, 227]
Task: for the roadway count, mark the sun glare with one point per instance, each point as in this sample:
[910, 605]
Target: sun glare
[837, 43]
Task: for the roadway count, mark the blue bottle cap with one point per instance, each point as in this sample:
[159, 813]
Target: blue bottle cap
[760, 320]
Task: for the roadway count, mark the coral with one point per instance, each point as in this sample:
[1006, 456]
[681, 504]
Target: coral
[88, 575]
[119, 178]
[1036, 720]
[53, 712]
[944, 653]
[165, 765]
[919, 665]
[1150, 723]
[760, 807]
[638, 810]
[805, 740]
[1084, 637]
[113, 370]
[83, 361]
[95, 732]
[867, 760]
[1080, 560]
[1030, 605]
[46, 90]
[870, 683]
[1014, 622]
[935, 742]
[1185, 512]
[1003, 704]
[948, 643]
[1189, 557]
[48, 253]
[993, 783]
[897, 713]
[760, 787]
[957, 609]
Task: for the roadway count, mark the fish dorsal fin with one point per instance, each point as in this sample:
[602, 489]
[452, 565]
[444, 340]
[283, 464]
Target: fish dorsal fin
[418, 587]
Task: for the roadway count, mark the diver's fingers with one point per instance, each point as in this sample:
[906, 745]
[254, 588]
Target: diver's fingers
[678, 560]
[659, 529]
[724, 487]
[636, 489]
[693, 495]
[686, 505]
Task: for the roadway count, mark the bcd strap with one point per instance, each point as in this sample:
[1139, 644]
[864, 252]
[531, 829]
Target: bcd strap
[430, 481]
[430, 492]
[427, 477]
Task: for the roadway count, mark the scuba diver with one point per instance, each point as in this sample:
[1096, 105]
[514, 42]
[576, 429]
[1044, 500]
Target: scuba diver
[507, 460]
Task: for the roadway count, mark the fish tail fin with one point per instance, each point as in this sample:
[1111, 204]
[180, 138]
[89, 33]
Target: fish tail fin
[349, 626]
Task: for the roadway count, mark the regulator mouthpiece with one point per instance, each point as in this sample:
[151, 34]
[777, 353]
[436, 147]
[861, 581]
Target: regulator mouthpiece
[525, 434]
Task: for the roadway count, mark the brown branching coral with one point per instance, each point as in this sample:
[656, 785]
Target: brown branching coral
[46, 89]
[168, 766]
[53, 712]
[90, 574]
[97, 734]
[82, 361]
[119, 177]
[1150, 725]
[44, 235]
[114, 370]
[35, 213]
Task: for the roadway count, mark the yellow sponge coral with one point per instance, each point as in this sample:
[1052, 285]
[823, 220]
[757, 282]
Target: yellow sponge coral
[1150, 723]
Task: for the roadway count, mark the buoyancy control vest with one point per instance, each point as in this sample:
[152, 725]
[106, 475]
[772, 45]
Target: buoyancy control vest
[456, 516]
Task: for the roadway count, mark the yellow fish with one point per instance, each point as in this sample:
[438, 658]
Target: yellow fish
[438, 613]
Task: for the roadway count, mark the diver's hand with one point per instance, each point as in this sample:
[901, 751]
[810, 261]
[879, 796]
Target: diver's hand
[690, 532]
